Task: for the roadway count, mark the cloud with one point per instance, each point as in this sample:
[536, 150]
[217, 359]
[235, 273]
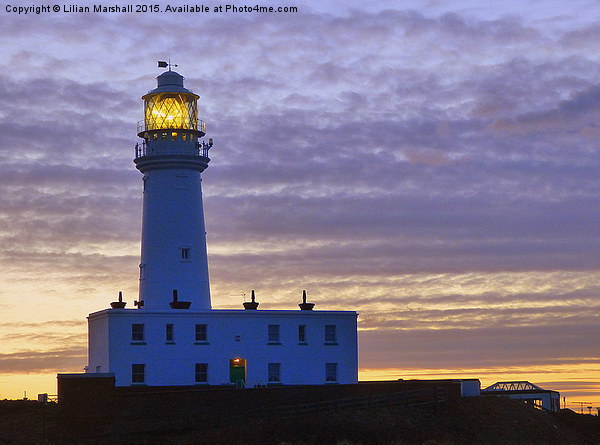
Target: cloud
[481, 347]
[55, 360]
[44, 324]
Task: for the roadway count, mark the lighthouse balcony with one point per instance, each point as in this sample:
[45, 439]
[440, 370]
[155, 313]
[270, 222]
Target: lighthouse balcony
[165, 124]
[155, 148]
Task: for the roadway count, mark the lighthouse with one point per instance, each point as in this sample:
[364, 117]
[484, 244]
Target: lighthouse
[171, 335]
[172, 159]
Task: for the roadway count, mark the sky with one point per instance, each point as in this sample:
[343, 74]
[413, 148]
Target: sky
[432, 165]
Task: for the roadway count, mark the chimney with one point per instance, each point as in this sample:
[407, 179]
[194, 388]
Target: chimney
[118, 304]
[304, 306]
[251, 305]
[176, 304]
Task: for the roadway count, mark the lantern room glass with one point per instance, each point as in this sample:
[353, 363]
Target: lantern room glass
[171, 110]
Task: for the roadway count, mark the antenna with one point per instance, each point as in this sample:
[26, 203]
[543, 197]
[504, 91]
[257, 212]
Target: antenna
[163, 64]
[581, 404]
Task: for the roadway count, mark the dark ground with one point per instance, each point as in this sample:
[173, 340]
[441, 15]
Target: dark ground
[477, 420]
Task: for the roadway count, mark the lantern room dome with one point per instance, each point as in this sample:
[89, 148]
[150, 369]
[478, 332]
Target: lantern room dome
[170, 82]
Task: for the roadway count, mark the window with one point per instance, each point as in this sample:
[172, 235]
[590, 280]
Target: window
[170, 338]
[274, 373]
[137, 332]
[138, 373]
[201, 333]
[302, 333]
[201, 372]
[330, 334]
[331, 372]
[185, 253]
[536, 403]
[273, 333]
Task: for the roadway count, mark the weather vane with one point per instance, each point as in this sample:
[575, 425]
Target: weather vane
[163, 64]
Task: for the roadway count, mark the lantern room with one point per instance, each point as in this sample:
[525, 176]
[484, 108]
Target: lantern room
[170, 106]
[171, 124]
[171, 111]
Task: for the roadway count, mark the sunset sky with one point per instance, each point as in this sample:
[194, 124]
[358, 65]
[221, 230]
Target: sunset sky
[433, 165]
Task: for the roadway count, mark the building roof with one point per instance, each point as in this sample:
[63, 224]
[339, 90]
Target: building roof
[170, 82]
[521, 385]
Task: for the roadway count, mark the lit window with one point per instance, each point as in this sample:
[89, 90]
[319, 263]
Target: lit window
[174, 135]
[302, 333]
[331, 370]
[138, 373]
[201, 332]
[330, 334]
[169, 333]
[273, 333]
[184, 136]
[201, 372]
[274, 373]
[137, 332]
[185, 253]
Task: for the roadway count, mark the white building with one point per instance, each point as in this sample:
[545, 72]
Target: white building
[168, 341]
[529, 393]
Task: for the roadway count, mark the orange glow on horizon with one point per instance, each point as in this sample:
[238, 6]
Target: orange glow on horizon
[576, 382]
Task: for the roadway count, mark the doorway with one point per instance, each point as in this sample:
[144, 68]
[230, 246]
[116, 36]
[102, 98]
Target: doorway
[237, 372]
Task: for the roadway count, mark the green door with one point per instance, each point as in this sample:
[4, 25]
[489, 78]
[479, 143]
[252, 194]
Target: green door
[237, 372]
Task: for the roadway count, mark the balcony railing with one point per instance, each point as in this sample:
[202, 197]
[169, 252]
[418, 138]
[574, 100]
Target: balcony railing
[143, 149]
[174, 124]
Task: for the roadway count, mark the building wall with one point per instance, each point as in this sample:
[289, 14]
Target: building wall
[548, 400]
[91, 402]
[98, 342]
[470, 387]
[230, 334]
[543, 398]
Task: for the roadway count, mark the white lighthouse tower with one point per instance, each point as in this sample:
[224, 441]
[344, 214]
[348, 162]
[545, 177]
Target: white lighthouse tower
[172, 336]
[172, 160]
